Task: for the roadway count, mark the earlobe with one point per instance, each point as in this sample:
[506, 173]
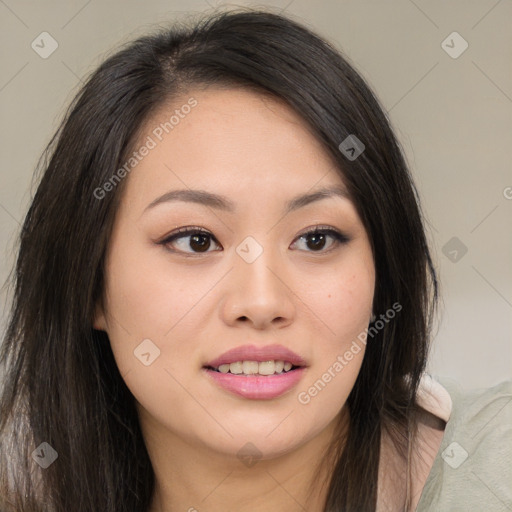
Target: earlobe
[99, 322]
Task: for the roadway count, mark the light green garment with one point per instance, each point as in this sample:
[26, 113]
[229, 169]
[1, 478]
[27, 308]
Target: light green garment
[472, 471]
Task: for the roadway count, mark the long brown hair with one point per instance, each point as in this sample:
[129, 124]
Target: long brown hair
[62, 386]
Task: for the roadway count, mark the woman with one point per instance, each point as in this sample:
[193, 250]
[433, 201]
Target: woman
[224, 294]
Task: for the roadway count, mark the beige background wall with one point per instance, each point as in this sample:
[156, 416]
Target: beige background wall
[452, 115]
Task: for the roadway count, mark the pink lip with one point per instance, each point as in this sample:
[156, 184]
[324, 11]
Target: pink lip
[260, 354]
[257, 387]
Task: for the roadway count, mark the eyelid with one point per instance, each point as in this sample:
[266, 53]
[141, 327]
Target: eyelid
[324, 228]
[186, 230]
[339, 237]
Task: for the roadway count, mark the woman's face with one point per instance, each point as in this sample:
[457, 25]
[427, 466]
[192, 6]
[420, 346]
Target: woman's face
[251, 280]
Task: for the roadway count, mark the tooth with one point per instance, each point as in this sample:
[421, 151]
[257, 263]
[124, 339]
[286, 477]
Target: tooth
[224, 368]
[266, 368]
[236, 368]
[250, 367]
[255, 367]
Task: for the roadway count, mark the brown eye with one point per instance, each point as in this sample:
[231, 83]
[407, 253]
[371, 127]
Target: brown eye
[189, 241]
[316, 239]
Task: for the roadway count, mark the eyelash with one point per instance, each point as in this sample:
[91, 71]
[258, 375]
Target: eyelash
[339, 238]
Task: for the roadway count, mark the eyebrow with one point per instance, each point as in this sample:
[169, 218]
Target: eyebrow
[219, 202]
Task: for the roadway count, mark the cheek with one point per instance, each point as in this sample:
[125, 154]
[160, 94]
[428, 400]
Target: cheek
[146, 302]
[151, 311]
[147, 295]
[342, 304]
[344, 307]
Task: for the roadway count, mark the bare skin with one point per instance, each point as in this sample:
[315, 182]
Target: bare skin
[392, 470]
[259, 154]
[431, 430]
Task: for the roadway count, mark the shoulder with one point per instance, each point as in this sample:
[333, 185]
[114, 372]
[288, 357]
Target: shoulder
[481, 417]
[472, 465]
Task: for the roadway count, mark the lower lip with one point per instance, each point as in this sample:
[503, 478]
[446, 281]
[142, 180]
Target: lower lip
[257, 387]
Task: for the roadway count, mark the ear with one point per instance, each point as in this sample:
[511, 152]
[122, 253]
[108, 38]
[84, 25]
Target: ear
[99, 322]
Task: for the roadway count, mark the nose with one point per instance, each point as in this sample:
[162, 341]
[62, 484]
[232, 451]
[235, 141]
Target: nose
[259, 293]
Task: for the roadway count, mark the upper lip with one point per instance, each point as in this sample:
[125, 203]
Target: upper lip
[260, 354]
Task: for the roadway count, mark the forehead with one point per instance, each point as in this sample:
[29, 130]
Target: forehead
[230, 141]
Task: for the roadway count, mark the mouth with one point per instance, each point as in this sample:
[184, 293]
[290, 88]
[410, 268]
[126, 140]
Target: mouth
[256, 373]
